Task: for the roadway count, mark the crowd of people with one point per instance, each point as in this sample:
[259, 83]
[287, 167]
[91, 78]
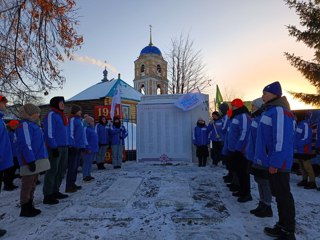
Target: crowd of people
[262, 143]
[57, 146]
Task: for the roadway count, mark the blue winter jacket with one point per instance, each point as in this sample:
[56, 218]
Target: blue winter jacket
[30, 141]
[303, 138]
[239, 130]
[275, 136]
[225, 131]
[76, 132]
[13, 141]
[318, 136]
[103, 133]
[215, 130]
[6, 158]
[91, 139]
[200, 136]
[225, 126]
[118, 135]
[55, 132]
[252, 138]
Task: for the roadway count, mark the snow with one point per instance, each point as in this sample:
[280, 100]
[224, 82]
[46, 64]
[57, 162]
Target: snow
[106, 89]
[156, 201]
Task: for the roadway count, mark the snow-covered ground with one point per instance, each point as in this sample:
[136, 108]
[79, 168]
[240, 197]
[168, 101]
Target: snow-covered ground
[153, 201]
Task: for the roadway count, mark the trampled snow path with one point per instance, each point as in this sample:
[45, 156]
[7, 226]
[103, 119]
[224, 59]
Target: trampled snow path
[179, 201]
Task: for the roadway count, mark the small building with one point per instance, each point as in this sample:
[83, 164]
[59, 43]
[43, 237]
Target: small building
[96, 100]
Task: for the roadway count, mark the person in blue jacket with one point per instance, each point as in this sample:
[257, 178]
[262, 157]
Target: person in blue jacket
[201, 140]
[31, 149]
[303, 153]
[216, 137]
[260, 173]
[77, 146]
[317, 145]
[9, 173]
[274, 150]
[6, 158]
[55, 128]
[91, 148]
[103, 131]
[118, 133]
[237, 141]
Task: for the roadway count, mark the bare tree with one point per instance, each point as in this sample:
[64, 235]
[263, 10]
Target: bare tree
[35, 36]
[186, 68]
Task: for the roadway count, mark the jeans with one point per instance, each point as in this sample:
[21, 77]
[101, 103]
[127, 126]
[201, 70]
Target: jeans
[57, 171]
[101, 154]
[117, 155]
[73, 164]
[87, 164]
[264, 190]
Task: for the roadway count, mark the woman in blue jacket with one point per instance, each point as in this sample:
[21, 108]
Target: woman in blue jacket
[77, 144]
[118, 133]
[31, 152]
[91, 148]
[201, 140]
[261, 175]
[303, 152]
[237, 142]
[103, 131]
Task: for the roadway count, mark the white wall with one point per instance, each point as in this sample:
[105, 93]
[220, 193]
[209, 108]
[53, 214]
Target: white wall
[162, 128]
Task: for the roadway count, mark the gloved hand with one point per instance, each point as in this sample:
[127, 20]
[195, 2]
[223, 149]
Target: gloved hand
[55, 152]
[32, 166]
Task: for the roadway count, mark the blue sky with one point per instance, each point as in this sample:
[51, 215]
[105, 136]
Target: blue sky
[242, 42]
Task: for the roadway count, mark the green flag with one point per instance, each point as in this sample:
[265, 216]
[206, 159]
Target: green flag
[219, 98]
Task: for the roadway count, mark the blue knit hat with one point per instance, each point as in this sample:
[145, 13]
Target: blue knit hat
[274, 88]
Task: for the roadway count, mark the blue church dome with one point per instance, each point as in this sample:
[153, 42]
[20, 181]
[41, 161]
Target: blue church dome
[150, 50]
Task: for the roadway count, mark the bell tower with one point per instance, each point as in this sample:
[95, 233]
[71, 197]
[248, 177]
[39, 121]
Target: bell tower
[150, 71]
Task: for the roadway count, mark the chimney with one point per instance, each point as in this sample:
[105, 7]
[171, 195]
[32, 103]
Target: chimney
[118, 75]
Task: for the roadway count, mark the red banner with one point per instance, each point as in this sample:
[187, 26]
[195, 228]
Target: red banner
[105, 111]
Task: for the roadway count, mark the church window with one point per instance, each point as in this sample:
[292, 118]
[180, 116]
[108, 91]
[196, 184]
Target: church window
[142, 68]
[158, 68]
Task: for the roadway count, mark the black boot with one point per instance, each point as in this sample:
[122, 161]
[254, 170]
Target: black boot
[257, 209]
[273, 232]
[302, 183]
[2, 232]
[310, 185]
[50, 199]
[265, 211]
[27, 211]
[101, 166]
[284, 235]
[33, 209]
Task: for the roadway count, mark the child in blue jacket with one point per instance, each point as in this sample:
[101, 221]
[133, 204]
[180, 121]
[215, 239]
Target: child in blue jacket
[303, 152]
[118, 133]
[31, 153]
[92, 147]
[201, 140]
[77, 144]
[103, 131]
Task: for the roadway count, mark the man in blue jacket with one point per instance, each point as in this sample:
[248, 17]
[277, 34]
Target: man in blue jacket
[55, 130]
[6, 158]
[274, 150]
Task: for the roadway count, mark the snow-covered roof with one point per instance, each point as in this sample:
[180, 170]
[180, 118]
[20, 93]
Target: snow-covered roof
[106, 89]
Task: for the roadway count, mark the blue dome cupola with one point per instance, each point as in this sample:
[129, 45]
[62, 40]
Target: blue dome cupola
[150, 49]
